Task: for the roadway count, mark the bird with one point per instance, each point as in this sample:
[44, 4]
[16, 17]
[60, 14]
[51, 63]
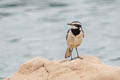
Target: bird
[74, 38]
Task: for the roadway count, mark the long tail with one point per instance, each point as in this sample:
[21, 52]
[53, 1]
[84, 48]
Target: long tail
[68, 52]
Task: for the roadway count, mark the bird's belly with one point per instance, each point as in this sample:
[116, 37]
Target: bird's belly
[74, 42]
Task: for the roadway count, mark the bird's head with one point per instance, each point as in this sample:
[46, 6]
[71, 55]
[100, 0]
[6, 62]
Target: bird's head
[75, 25]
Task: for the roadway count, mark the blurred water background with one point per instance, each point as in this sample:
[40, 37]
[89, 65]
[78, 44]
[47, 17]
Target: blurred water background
[37, 28]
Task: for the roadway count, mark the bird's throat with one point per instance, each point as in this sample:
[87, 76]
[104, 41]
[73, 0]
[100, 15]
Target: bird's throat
[75, 31]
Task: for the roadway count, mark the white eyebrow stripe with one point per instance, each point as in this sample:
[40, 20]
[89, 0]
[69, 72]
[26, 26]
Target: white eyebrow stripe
[76, 23]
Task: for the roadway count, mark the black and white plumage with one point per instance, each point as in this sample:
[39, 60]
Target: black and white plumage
[74, 38]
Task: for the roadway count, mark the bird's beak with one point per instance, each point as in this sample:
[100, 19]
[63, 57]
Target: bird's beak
[69, 24]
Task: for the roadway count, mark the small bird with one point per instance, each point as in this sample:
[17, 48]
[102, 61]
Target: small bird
[74, 38]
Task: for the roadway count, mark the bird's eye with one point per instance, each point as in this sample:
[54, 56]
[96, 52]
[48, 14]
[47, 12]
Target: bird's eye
[74, 25]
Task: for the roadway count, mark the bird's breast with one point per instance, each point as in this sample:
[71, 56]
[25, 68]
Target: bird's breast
[74, 41]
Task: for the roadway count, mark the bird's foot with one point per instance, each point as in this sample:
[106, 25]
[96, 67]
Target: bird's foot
[71, 58]
[79, 57]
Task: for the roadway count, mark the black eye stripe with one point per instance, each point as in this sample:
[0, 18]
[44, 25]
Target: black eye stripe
[78, 25]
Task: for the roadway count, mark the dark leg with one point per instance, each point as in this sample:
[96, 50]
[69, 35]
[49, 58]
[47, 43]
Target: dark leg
[78, 54]
[71, 57]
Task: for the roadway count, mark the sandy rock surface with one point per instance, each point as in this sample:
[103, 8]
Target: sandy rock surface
[89, 68]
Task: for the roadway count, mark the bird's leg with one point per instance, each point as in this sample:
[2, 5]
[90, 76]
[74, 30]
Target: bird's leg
[71, 57]
[78, 54]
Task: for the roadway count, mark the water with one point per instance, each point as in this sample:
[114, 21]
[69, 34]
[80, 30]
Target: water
[32, 28]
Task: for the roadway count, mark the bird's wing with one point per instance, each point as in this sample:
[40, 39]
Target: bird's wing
[67, 34]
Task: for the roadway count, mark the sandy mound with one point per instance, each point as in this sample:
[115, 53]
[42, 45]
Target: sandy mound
[90, 68]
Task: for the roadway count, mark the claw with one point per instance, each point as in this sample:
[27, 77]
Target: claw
[71, 58]
[79, 57]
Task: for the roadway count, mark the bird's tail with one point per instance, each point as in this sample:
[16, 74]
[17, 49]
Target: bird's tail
[68, 52]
